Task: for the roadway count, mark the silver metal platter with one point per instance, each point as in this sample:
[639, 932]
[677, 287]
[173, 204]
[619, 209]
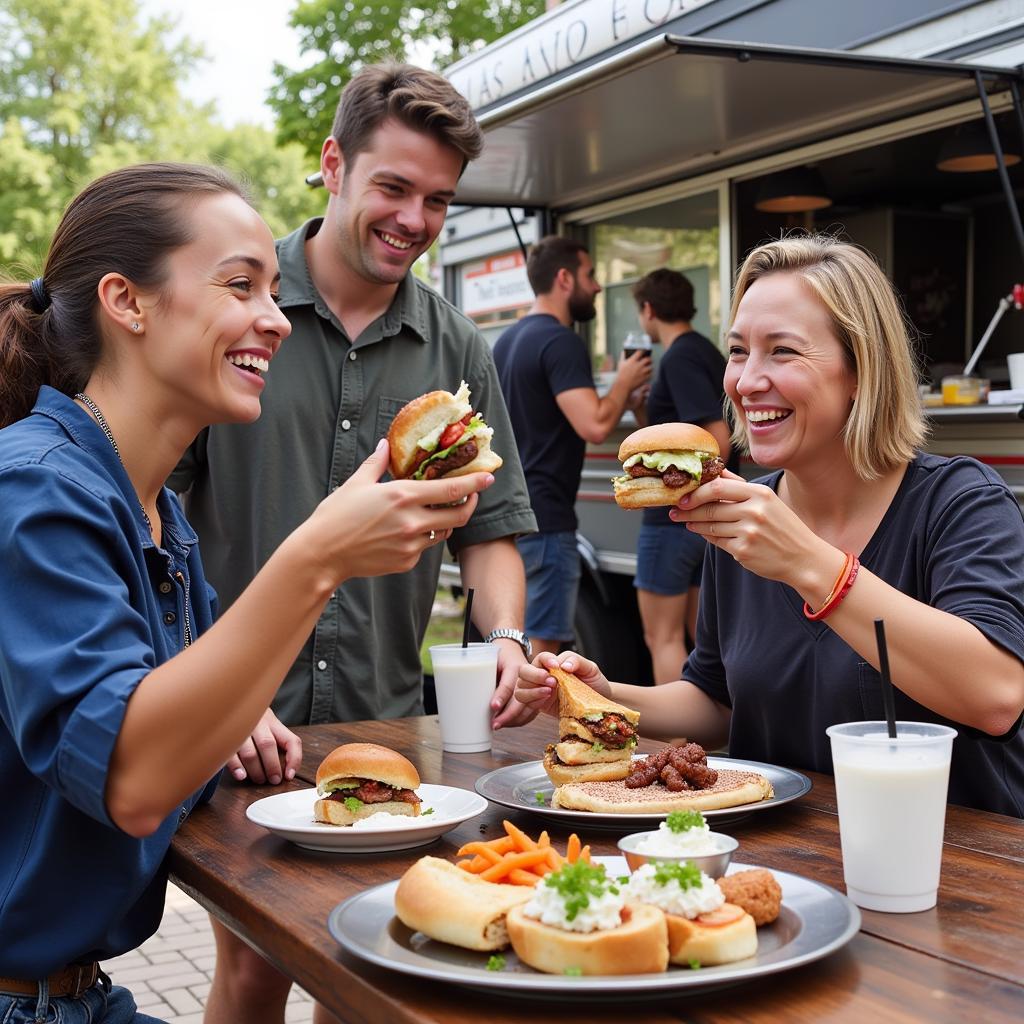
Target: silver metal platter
[526, 787]
[815, 921]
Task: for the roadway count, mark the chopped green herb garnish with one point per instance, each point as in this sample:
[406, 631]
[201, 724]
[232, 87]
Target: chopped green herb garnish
[429, 810]
[496, 962]
[353, 803]
[573, 972]
[540, 797]
[598, 746]
[631, 742]
[623, 879]
[694, 964]
[576, 883]
[688, 875]
[682, 821]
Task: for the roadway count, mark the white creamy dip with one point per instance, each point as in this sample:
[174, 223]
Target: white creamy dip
[692, 842]
[671, 897]
[603, 912]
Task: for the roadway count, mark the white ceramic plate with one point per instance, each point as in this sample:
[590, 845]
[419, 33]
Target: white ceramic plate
[526, 787]
[815, 920]
[290, 816]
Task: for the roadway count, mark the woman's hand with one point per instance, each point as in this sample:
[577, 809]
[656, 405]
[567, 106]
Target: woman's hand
[272, 753]
[754, 525]
[369, 528]
[536, 688]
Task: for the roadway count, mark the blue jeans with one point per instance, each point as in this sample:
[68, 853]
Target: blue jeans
[552, 566]
[669, 559]
[97, 1005]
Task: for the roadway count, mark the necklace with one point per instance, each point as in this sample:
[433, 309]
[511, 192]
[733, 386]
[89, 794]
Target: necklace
[105, 427]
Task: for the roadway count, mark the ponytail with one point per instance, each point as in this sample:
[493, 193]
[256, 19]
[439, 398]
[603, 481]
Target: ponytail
[127, 222]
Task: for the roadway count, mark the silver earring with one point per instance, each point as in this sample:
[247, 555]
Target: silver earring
[136, 326]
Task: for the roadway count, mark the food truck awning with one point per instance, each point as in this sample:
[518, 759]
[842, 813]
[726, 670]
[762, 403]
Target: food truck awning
[672, 107]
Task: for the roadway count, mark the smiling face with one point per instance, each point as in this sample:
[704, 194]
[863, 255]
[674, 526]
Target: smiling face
[214, 326]
[391, 199]
[788, 376]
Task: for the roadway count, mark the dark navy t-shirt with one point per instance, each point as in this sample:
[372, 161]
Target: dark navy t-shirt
[537, 359]
[953, 537]
[687, 389]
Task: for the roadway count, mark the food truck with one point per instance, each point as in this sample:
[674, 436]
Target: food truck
[661, 136]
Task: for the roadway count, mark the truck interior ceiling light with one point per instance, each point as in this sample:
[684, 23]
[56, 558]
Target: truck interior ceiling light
[796, 190]
[969, 148]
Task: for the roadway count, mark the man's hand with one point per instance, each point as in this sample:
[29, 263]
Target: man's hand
[508, 710]
[259, 759]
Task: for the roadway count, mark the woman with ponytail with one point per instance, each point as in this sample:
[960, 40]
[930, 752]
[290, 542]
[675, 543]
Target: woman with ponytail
[120, 697]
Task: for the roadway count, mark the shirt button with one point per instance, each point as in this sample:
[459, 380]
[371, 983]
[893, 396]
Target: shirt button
[321, 664]
[345, 424]
[170, 618]
[165, 587]
[351, 355]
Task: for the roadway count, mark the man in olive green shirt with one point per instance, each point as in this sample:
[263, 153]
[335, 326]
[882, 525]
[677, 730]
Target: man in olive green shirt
[367, 336]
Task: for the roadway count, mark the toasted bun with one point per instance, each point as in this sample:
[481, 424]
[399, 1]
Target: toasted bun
[448, 904]
[710, 944]
[367, 761]
[648, 492]
[731, 789]
[574, 752]
[576, 699]
[560, 774]
[334, 812]
[668, 437]
[638, 946]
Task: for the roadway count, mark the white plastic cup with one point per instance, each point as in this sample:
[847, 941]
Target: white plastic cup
[1015, 362]
[891, 795]
[464, 681]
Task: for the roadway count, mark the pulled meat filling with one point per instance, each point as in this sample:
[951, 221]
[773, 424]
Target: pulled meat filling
[676, 477]
[612, 730]
[372, 792]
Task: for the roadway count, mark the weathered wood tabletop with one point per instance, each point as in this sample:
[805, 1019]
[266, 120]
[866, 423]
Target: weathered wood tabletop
[964, 960]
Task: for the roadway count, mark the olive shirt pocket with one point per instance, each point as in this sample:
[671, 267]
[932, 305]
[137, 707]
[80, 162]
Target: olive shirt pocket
[387, 410]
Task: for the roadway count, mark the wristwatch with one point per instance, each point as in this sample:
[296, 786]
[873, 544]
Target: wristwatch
[512, 634]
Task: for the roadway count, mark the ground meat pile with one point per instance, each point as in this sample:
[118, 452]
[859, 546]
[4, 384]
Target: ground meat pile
[676, 768]
[612, 730]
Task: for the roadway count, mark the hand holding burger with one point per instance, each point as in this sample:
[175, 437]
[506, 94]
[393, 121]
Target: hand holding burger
[663, 462]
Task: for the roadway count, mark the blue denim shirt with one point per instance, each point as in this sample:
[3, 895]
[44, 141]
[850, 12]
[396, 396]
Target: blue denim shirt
[89, 605]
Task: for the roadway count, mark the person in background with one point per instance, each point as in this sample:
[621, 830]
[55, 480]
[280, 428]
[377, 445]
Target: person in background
[687, 389]
[546, 378]
[367, 337]
[120, 698]
[857, 524]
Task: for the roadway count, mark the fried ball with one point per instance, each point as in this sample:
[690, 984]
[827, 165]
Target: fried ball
[756, 891]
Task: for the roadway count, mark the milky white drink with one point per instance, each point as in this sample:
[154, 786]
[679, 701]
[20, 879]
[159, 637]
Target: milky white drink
[892, 807]
[464, 680]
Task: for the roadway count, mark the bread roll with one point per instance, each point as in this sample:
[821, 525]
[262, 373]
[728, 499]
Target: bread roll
[711, 944]
[598, 771]
[334, 812]
[448, 904]
[638, 946]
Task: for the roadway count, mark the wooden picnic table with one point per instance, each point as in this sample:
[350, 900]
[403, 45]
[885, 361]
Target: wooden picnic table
[963, 960]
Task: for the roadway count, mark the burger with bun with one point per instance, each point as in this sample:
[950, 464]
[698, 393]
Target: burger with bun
[439, 434]
[356, 780]
[663, 462]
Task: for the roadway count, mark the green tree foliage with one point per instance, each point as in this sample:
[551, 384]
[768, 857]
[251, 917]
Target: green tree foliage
[340, 36]
[85, 87]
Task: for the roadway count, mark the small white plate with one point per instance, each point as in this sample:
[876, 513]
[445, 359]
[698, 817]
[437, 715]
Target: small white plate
[290, 816]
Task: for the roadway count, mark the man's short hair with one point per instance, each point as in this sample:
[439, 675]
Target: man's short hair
[669, 293]
[420, 99]
[547, 257]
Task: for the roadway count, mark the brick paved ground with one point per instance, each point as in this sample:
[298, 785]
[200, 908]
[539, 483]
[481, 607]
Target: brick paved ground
[170, 974]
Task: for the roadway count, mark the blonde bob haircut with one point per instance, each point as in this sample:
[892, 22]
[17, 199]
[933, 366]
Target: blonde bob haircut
[886, 425]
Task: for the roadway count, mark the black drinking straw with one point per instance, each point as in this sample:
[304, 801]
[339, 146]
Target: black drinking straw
[465, 621]
[883, 664]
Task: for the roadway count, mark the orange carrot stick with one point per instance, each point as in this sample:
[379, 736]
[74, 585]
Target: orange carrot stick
[572, 849]
[526, 859]
[522, 840]
[518, 876]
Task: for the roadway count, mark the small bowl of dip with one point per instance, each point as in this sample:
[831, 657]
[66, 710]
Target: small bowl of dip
[684, 836]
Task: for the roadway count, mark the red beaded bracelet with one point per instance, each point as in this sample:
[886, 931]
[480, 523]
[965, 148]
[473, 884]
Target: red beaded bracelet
[842, 586]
